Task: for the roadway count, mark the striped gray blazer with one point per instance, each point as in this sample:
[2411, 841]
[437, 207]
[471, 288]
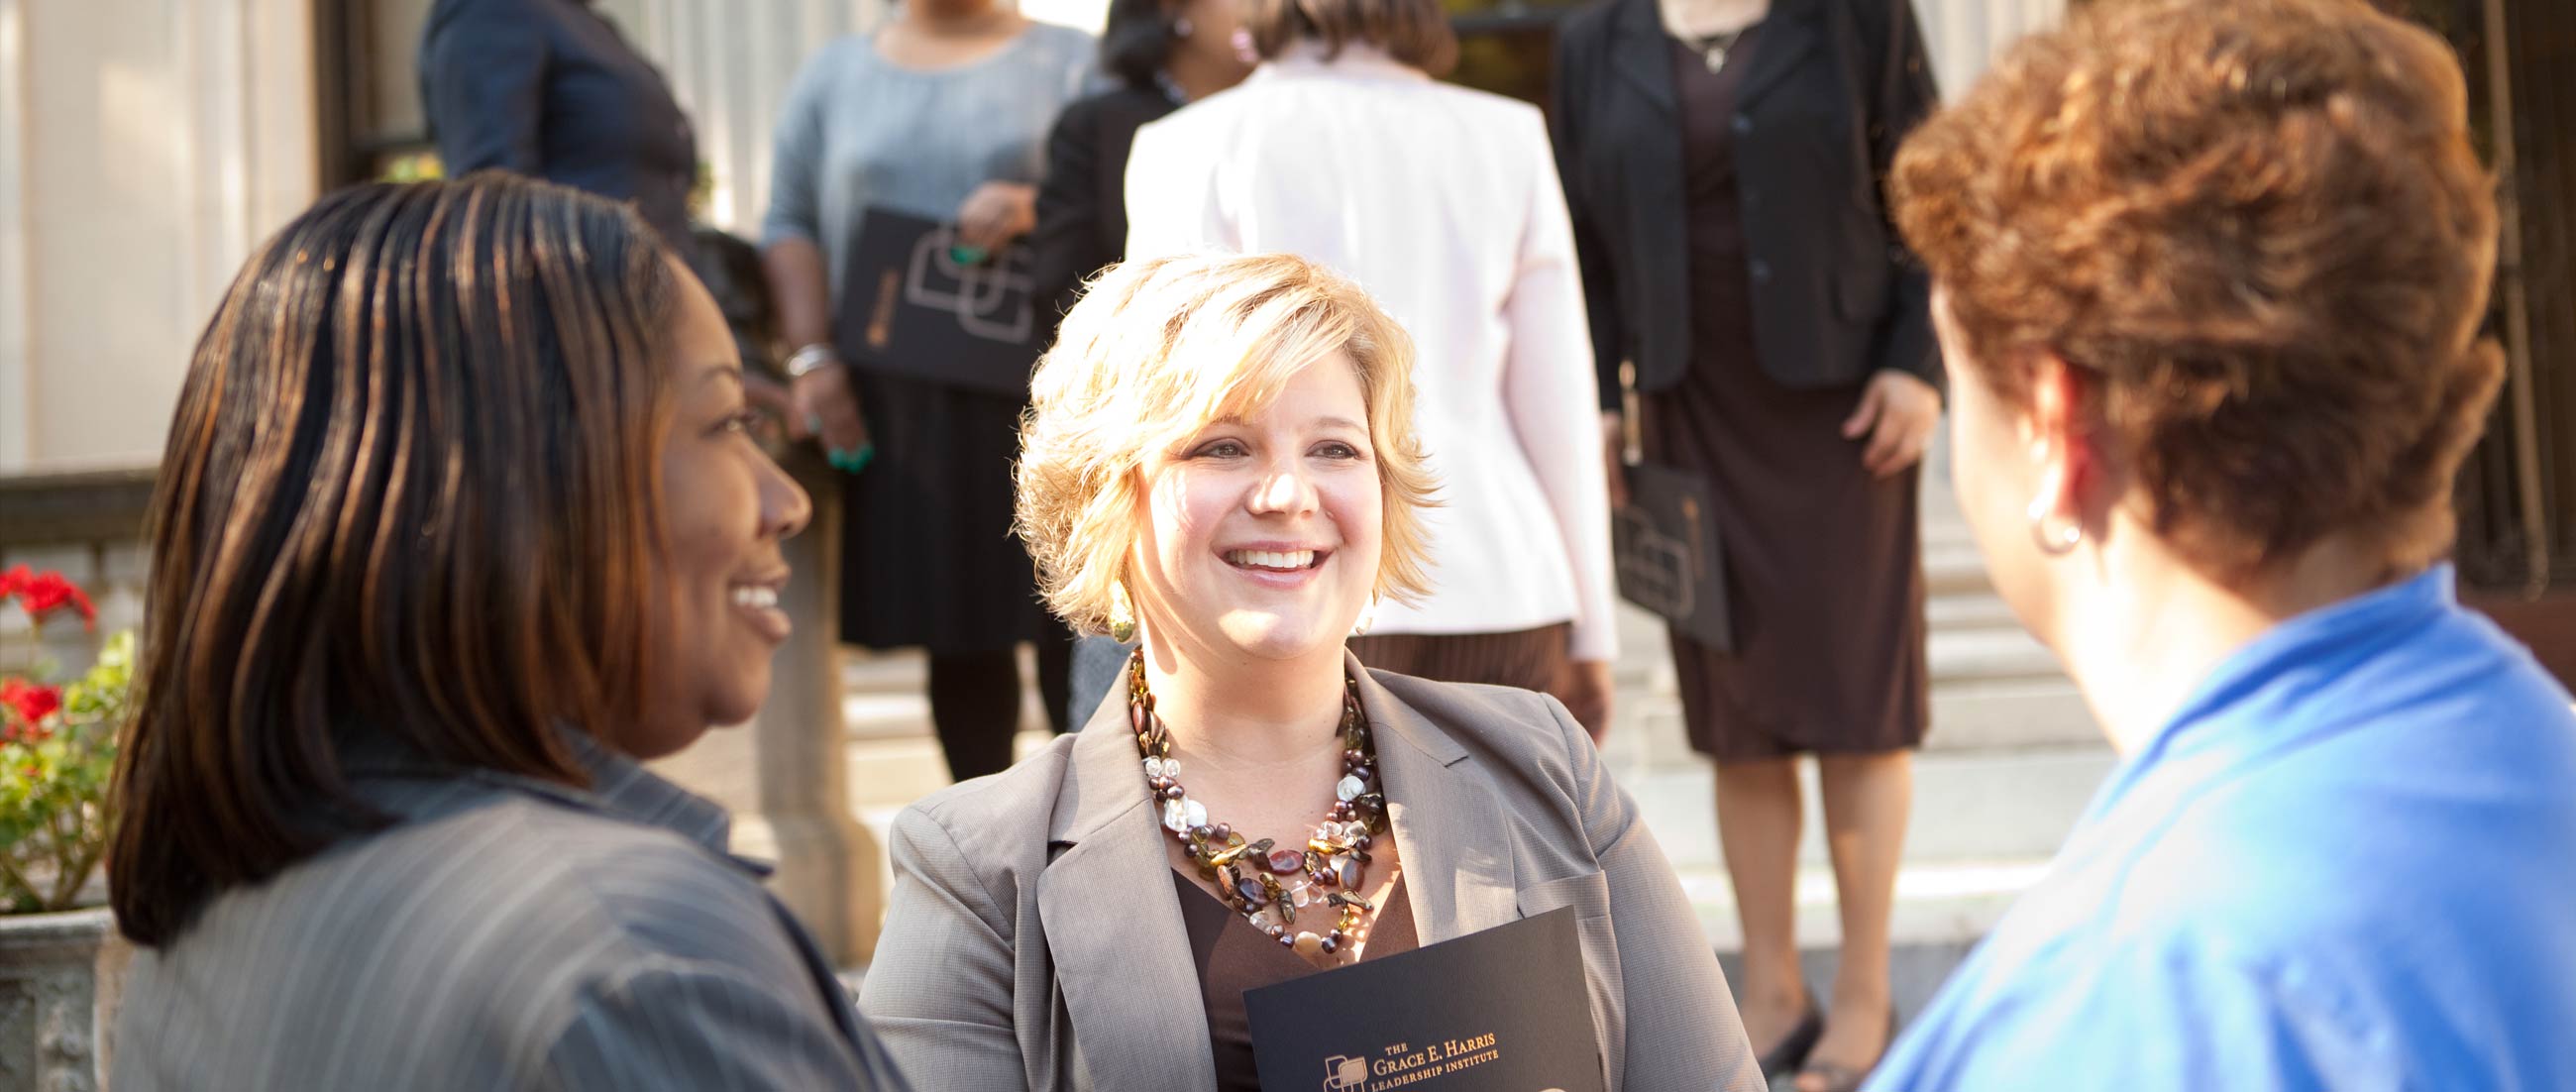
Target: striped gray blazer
[505, 933]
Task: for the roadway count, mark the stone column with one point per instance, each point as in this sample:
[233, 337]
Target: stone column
[1965, 35]
[785, 775]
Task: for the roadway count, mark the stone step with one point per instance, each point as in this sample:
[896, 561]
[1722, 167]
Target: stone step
[1946, 528]
[1942, 910]
[1988, 654]
[1967, 805]
[2010, 715]
[1996, 717]
[1992, 689]
[1980, 609]
[1954, 568]
[893, 771]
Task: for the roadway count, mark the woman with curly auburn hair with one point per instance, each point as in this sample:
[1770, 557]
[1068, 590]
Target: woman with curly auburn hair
[2211, 276]
[1221, 464]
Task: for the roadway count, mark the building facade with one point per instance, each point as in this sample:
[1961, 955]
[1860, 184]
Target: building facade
[147, 145]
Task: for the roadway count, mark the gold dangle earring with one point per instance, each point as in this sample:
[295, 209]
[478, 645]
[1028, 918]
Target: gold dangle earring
[1367, 618]
[1122, 615]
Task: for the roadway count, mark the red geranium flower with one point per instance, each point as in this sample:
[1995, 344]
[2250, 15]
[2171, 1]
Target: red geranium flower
[47, 592]
[13, 580]
[32, 703]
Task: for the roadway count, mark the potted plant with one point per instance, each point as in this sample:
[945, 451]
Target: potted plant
[59, 960]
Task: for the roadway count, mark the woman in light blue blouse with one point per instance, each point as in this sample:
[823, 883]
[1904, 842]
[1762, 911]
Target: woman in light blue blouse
[940, 114]
[2211, 276]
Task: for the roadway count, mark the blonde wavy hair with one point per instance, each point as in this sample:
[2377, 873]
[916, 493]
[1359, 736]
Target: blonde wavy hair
[1155, 351]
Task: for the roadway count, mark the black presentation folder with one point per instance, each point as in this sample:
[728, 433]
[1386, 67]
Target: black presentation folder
[1503, 1009]
[910, 308]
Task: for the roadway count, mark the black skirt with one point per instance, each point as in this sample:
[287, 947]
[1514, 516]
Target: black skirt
[927, 555]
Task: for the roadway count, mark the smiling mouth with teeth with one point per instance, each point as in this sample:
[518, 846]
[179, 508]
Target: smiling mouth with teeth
[1284, 561]
[756, 596]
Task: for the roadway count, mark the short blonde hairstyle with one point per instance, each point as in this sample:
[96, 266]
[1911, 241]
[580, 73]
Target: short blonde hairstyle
[1155, 351]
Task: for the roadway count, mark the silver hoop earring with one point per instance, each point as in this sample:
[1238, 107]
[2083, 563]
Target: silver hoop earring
[1122, 615]
[2057, 543]
[1367, 618]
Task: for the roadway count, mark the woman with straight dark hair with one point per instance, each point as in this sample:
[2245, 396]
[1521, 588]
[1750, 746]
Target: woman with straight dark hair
[459, 521]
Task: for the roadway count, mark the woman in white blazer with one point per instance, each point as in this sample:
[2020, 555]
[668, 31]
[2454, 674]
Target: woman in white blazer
[1443, 203]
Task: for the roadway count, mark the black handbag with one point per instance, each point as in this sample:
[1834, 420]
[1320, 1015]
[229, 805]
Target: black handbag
[1668, 556]
[1664, 545]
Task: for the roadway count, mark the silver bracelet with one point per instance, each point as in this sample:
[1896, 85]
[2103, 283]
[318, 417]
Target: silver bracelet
[811, 359]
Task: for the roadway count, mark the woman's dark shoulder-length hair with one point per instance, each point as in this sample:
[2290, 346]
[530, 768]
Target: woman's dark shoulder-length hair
[407, 497]
[1136, 42]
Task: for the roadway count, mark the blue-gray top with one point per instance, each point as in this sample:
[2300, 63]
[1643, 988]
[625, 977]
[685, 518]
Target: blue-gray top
[860, 130]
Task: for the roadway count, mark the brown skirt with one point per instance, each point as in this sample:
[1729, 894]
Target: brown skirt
[1532, 659]
[1824, 583]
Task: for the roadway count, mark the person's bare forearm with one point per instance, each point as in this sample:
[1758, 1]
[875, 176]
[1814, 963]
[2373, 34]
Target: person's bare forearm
[800, 289]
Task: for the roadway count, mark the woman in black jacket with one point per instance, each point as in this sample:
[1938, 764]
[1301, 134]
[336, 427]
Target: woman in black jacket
[1721, 160]
[1164, 54]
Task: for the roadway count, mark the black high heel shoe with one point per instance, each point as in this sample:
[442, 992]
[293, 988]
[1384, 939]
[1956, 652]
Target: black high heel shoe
[1843, 1078]
[1791, 1051]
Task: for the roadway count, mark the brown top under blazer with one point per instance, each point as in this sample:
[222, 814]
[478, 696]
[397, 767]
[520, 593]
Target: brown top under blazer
[1034, 941]
[1832, 91]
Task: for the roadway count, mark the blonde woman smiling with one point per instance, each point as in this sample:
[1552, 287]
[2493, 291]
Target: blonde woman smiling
[1220, 460]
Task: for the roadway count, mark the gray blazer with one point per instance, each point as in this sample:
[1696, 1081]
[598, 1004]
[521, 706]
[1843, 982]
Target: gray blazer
[1034, 943]
[505, 933]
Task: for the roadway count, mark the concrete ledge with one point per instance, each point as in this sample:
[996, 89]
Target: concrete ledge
[60, 977]
[75, 509]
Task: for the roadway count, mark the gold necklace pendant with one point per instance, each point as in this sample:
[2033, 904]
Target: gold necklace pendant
[1713, 48]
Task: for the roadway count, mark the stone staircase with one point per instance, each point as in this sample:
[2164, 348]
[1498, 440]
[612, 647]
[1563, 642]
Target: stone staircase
[2012, 759]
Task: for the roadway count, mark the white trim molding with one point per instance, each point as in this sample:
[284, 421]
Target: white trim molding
[1966, 35]
[17, 349]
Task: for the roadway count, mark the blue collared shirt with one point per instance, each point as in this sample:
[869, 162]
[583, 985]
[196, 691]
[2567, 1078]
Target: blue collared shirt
[2348, 862]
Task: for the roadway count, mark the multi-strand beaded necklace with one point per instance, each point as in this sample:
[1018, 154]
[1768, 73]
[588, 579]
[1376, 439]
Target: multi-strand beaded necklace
[1274, 886]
